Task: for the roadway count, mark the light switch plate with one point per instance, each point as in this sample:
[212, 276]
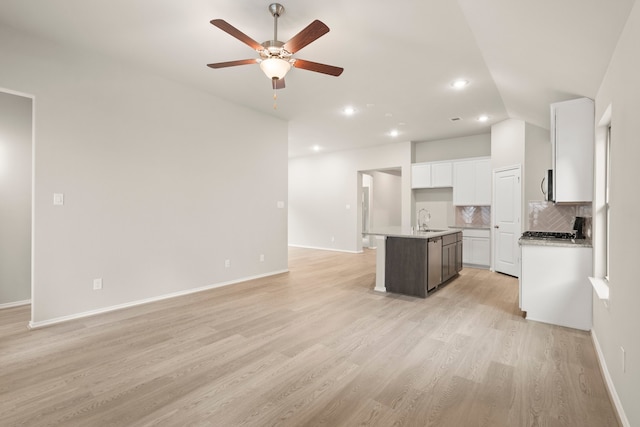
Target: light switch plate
[58, 199]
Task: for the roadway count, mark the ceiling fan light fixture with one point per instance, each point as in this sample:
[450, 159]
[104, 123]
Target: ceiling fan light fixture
[275, 68]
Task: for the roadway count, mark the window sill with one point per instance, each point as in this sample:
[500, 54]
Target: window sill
[601, 286]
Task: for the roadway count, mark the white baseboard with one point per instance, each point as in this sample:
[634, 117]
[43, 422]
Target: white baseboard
[324, 249]
[610, 386]
[15, 304]
[42, 324]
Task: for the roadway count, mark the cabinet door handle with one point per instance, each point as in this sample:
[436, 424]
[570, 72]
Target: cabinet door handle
[496, 226]
[542, 185]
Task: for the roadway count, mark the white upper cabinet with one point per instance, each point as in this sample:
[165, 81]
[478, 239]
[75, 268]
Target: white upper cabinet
[431, 175]
[442, 174]
[472, 182]
[482, 172]
[421, 175]
[572, 144]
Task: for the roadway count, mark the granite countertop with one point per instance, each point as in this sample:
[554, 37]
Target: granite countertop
[573, 243]
[404, 232]
[471, 227]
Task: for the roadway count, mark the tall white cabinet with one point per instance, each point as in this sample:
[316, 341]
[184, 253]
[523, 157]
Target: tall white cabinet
[572, 142]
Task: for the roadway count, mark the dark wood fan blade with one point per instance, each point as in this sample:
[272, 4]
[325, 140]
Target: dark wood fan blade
[278, 83]
[312, 32]
[233, 31]
[232, 63]
[318, 68]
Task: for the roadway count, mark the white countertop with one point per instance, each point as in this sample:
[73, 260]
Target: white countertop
[403, 232]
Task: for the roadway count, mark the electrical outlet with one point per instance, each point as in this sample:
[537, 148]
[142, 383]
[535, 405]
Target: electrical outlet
[624, 359]
[261, 257]
[333, 238]
[58, 199]
[227, 263]
[97, 284]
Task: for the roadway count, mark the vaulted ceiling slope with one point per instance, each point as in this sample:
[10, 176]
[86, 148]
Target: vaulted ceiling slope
[399, 58]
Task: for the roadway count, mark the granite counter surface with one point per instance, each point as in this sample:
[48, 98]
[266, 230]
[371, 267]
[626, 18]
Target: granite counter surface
[573, 243]
[471, 227]
[408, 233]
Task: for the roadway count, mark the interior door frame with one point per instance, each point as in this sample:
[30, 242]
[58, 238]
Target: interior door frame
[520, 210]
[33, 184]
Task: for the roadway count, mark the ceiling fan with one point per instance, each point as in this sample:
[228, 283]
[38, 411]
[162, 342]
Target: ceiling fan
[276, 58]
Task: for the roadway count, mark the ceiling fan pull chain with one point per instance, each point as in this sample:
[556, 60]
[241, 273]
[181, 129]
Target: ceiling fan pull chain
[274, 83]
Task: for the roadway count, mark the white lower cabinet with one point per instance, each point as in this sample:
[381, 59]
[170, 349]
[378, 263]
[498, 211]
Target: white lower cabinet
[476, 247]
[554, 285]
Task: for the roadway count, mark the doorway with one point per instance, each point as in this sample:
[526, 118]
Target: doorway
[380, 207]
[16, 189]
[367, 188]
[507, 196]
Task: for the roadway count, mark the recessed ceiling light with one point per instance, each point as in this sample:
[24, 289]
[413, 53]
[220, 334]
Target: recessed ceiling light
[483, 118]
[393, 132]
[459, 84]
[316, 148]
[349, 111]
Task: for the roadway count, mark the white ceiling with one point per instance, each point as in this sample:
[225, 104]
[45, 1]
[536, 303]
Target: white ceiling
[399, 58]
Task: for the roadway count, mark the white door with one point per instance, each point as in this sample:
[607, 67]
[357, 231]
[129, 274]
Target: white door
[506, 207]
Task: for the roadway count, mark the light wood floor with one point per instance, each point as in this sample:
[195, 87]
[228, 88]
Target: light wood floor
[316, 346]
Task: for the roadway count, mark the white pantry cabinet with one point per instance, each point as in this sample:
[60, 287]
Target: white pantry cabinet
[431, 175]
[472, 182]
[572, 142]
[476, 247]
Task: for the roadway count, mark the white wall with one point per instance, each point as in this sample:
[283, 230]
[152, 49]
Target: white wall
[439, 203]
[617, 325]
[15, 198]
[507, 143]
[321, 187]
[162, 183]
[508, 139]
[453, 148]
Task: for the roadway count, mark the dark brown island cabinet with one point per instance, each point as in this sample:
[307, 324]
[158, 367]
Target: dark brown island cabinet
[418, 266]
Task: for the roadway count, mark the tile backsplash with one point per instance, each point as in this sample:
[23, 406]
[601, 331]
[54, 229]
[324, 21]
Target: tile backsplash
[547, 216]
[474, 216]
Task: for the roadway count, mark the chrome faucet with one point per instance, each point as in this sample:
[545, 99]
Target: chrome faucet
[423, 219]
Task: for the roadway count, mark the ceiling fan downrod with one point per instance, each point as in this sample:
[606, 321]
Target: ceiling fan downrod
[276, 10]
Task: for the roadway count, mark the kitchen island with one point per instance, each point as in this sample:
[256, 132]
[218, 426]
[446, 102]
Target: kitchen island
[416, 262]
